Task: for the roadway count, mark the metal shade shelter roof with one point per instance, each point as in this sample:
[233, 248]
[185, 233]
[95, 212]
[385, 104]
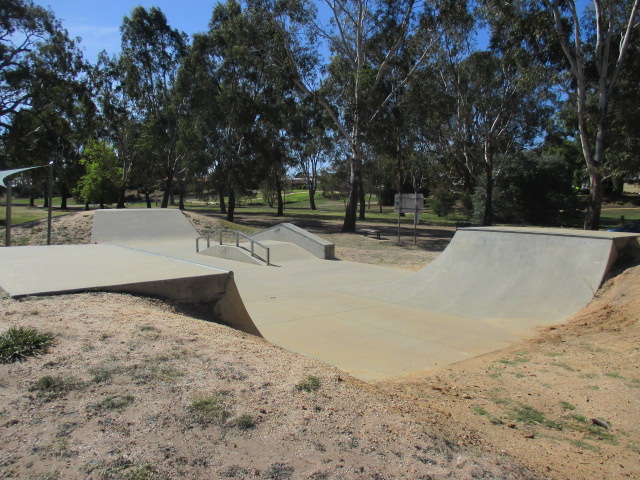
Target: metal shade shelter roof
[7, 173]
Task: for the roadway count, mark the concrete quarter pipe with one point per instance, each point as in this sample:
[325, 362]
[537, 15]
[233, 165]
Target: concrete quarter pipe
[489, 288]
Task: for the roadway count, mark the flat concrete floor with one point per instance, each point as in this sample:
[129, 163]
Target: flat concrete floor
[377, 322]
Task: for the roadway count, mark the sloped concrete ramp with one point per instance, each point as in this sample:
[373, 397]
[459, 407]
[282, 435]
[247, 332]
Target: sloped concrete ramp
[489, 288]
[141, 226]
[59, 269]
[511, 273]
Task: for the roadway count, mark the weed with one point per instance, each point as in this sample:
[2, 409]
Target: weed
[49, 388]
[101, 374]
[112, 402]
[121, 469]
[149, 328]
[209, 409]
[244, 422]
[104, 337]
[481, 411]
[589, 375]
[234, 471]
[635, 383]
[580, 418]
[583, 445]
[530, 416]
[310, 383]
[519, 375]
[593, 387]
[564, 366]
[16, 344]
[279, 471]
[613, 375]
[55, 475]
[567, 406]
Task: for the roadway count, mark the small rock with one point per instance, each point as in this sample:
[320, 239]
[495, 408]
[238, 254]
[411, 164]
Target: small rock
[529, 435]
[511, 425]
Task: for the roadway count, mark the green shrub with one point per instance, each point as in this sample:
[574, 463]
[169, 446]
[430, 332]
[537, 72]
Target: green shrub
[16, 344]
[443, 201]
[310, 383]
[49, 388]
[208, 409]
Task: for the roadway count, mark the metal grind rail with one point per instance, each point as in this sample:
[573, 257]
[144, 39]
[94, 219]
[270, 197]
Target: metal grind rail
[220, 234]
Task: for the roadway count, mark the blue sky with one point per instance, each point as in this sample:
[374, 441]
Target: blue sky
[98, 22]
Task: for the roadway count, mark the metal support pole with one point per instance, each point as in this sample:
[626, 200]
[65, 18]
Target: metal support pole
[50, 202]
[220, 237]
[7, 240]
[237, 239]
[198, 245]
[208, 241]
[268, 257]
[252, 249]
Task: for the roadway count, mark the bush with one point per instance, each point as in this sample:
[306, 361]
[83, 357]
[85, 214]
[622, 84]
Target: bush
[208, 409]
[443, 201]
[532, 189]
[16, 344]
[310, 383]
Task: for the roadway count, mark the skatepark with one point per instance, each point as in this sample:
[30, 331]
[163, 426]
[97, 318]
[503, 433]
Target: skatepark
[490, 288]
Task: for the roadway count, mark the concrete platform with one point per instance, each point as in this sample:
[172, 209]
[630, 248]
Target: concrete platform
[489, 288]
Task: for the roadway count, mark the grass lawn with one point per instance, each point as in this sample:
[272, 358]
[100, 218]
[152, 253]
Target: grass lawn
[297, 207]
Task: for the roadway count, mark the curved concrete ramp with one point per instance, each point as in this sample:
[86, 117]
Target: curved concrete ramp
[510, 273]
[57, 269]
[139, 226]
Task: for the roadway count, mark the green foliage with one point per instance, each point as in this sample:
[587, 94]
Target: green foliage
[244, 422]
[530, 416]
[112, 402]
[532, 189]
[49, 387]
[210, 409]
[100, 182]
[443, 201]
[310, 383]
[16, 344]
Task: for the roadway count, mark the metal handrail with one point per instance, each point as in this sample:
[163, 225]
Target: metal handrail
[238, 235]
[284, 225]
[207, 237]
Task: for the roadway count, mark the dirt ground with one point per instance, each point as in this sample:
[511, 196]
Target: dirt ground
[146, 389]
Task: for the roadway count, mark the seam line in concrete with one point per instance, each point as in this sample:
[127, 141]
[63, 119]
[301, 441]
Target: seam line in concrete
[168, 256]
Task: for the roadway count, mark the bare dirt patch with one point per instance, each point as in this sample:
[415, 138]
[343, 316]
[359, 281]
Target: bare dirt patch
[566, 402]
[133, 387]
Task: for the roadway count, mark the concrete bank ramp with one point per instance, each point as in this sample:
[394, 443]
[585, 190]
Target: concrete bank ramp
[511, 274]
[59, 269]
[139, 226]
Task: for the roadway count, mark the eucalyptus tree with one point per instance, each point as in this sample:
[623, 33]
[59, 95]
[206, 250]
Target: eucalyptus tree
[152, 53]
[365, 39]
[43, 84]
[117, 122]
[579, 44]
[238, 101]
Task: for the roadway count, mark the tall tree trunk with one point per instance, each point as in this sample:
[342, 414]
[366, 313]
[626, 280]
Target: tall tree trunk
[64, 194]
[351, 213]
[362, 199]
[168, 185]
[181, 193]
[232, 205]
[121, 194]
[312, 197]
[487, 219]
[594, 203]
[223, 206]
[279, 195]
[32, 199]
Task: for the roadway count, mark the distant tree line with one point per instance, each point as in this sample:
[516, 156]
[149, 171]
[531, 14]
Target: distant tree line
[375, 96]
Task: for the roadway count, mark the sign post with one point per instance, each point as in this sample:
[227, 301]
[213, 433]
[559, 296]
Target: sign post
[409, 203]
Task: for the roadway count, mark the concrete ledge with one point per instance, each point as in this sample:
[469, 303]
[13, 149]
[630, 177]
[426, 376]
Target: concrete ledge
[288, 232]
[230, 253]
